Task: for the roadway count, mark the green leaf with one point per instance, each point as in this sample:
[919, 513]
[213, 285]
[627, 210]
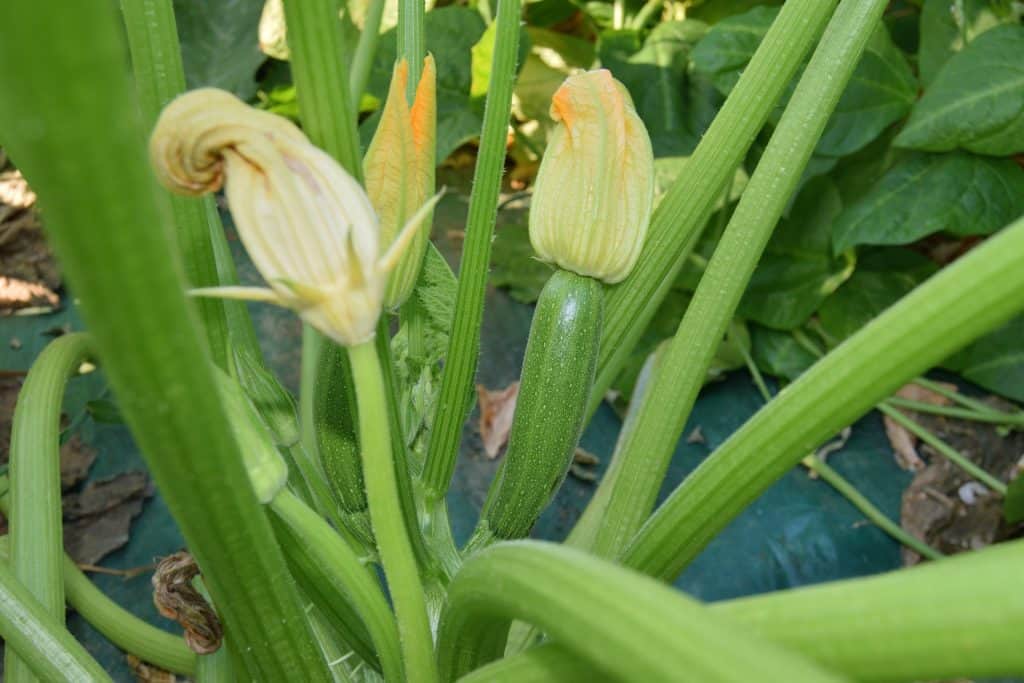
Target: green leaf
[451, 32]
[724, 52]
[996, 361]
[882, 277]
[675, 106]
[976, 101]
[880, 92]
[104, 411]
[928, 193]
[219, 45]
[713, 11]
[944, 30]
[482, 54]
[513, 265]
[778, 353]
[797, 270]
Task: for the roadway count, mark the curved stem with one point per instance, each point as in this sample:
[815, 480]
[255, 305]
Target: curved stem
[455, 398]
[647, 450]
[943, 448]
[339, 582]
[39, 639]
[387, 518]
[911, 336]
[611, 617]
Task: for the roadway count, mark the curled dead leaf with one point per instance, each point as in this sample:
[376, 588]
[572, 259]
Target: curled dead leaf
[496, 411]
[176, 598]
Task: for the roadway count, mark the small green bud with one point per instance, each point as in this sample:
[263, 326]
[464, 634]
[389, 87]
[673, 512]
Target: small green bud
[595, 188]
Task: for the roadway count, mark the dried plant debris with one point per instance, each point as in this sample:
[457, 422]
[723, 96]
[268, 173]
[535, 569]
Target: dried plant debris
[583, 464]
[176, 598]
[28, 273]
[75, 460]
[904, 444]
[496, 411]
[943, 505]
[98, 520]
[147, 673]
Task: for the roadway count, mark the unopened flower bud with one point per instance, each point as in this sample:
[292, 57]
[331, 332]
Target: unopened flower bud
[595, 187]
[307, 224]
[399, 169]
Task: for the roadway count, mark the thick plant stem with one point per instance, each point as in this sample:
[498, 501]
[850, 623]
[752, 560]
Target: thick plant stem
[160, 77]
[647, 449]
[456, 396]
[35, 517]
[889, 627]
[91, 170]
[943, 448]
[679, 218]
[858, 500]
[389, 527]
[411, 41]
[625, 625]
[919, 331]
[40, 639]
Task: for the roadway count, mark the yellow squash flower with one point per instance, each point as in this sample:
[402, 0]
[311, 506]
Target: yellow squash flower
[307, 224]
[399, 170]
[595, 188]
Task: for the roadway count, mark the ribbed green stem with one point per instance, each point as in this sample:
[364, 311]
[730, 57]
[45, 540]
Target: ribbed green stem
[35, 518]
[411, 41]
[387, 518]
[946, 620]
[919, 331]
[940, 621]
[456, 395]
[626, 625]
[40, 639]
[943, 448]
[686, 207]
[962, 399]
[160, 77]
[91, 170]
[648, 448]
[340, 583]
[858, 500]
[366, 48]
[321, 80]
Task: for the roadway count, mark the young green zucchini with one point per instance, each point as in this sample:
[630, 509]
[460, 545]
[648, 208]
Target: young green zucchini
[335, 412]
[558, 371]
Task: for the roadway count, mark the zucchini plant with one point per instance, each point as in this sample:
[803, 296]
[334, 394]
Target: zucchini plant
[320, 525]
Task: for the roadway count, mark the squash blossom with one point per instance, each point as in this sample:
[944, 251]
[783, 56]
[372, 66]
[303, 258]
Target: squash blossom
[399, 169]
[595, 188]
[307, 224]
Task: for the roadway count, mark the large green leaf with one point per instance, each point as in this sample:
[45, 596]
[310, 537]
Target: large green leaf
[945, 29]
[928, 193]
[515, 267]
[797, 270]
[675, 106]
[451, 33]
[996, 361]
[976, 101]
[552, 57]
[881, 91]
[883, 276]
[779, 353]
[219, 43]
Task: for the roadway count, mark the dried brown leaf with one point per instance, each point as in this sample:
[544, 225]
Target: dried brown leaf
[98, 520]
[496, 411]
[75, 460]
[176, 598]
[904, 444]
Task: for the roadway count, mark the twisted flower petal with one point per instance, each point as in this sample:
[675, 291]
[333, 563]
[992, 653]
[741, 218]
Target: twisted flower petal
[307, 224]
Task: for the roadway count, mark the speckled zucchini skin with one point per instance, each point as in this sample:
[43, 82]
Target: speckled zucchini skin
[558, 372]
[336, 418]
